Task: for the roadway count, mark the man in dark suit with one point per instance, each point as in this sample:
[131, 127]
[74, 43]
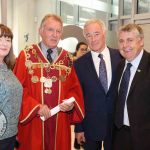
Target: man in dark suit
[132, 111]
[96, 71]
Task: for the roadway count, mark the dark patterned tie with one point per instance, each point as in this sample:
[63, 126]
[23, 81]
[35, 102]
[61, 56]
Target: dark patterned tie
[103, 73]
[122, 96]
[49, 52]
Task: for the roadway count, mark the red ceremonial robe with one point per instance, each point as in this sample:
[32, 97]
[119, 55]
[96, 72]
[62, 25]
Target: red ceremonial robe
[46, 83]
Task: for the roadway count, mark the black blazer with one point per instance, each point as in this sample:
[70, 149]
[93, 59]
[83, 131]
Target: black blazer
[98, 105]
[138, 103]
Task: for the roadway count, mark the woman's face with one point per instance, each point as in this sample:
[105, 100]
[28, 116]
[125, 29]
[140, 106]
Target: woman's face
[82, 50]
[5, 46]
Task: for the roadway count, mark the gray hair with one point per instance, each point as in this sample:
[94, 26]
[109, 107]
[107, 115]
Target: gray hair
[132, 27]
[52, 16]
[92, 21]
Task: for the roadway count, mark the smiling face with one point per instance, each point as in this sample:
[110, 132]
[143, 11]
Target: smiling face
[95, 36]
[51, 32]
[130, 44]
[5, 46]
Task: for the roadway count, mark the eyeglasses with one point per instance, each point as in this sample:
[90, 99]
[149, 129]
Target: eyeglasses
[83, 49]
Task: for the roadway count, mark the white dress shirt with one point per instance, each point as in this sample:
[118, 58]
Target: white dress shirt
[106, 57]
[54, 54]
[133, 69]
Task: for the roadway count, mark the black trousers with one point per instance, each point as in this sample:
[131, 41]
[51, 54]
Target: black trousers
[122, 139]
[8, 144]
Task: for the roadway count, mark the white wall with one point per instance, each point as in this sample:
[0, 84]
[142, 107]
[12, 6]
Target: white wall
[24, 17]
[21, 20]
[146, 29]
[44, 7]
[0, 11]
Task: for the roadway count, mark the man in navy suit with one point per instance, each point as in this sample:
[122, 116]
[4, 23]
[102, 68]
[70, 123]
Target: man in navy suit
[98, 92]
[132, 130]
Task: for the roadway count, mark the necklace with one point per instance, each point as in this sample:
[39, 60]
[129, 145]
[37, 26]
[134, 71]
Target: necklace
[47, 80]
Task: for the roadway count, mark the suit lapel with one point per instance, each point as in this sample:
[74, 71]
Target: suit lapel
[112, 60]
[114, 64]
[120, 70]
[90, 66]
[92, 70]
[140, 73]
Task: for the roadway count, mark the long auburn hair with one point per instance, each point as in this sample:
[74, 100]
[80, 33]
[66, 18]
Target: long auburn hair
[10, 58]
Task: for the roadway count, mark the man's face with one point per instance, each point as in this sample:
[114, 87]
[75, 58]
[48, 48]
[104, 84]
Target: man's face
[95, 37]
[51, 32]
[130, 44]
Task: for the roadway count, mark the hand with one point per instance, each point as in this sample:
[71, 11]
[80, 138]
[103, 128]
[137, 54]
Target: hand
[80, 137]
[66, 106]
[44, 111]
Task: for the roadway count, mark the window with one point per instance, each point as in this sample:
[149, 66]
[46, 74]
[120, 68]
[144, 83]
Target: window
[127, 7]
[114, 7]
[143, 6]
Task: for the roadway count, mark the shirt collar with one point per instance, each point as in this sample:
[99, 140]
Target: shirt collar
[105, 53]
[136, 61]
[45, 48]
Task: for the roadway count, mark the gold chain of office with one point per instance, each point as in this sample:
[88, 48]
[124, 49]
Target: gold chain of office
[47, 80]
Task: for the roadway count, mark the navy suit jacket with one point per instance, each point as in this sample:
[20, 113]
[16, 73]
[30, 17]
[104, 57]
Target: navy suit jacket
[138, 103]
[98, 105]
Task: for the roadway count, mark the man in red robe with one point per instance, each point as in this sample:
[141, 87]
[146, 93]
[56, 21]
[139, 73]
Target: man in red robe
[48, 79]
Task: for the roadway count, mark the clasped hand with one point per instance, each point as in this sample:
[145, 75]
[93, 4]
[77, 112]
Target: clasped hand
[44, 110]
[66, 106]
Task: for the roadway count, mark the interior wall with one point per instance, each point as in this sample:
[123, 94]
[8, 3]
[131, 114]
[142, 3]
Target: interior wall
[26, 22]
[24, 18]
[21, 20]
[0, 11]
[3, 8]
[42, 8]
[146, 29]
[111, 39]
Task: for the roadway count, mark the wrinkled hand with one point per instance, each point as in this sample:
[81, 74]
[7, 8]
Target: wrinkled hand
[80, 137]
[66, 106]
[44, 111]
